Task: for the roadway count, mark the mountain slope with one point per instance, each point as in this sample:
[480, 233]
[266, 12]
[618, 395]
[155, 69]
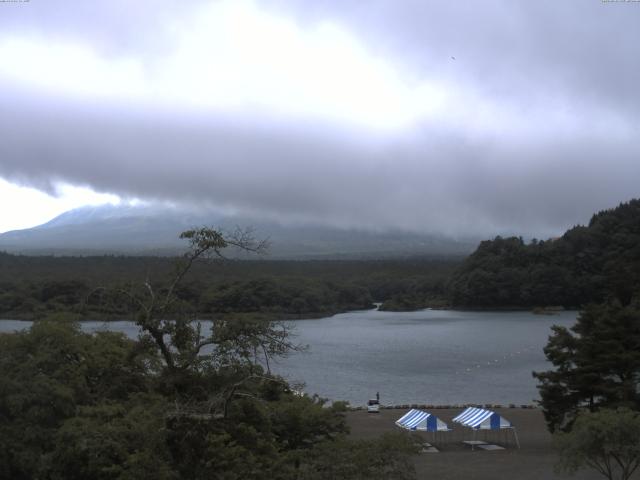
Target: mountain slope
[153, 230]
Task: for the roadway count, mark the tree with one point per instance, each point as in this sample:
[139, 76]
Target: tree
[206, 370]
[175, 403]
[597, 364]
[161, 315]
[48, 375]
[123, 440]
[607, 441]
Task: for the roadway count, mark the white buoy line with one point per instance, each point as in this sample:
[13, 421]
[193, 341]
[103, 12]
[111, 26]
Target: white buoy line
[496, 361]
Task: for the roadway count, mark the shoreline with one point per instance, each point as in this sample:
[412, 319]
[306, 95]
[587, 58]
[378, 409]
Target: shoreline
[375, 307]
[223, 316]
[538, 310]
[487, 406]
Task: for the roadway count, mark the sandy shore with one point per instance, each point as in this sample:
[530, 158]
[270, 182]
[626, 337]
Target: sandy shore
[533, 461]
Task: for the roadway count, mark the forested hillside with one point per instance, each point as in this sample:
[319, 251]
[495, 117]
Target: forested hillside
[587, 264]
[33, 286]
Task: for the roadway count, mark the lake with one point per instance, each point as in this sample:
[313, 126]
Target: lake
[427, 357]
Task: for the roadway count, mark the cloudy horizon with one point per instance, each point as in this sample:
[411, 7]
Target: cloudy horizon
[491, 118]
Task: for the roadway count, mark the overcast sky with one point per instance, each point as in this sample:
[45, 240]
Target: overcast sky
[463, 118]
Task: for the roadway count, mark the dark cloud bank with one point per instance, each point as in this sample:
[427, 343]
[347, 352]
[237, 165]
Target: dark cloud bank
[572, 67]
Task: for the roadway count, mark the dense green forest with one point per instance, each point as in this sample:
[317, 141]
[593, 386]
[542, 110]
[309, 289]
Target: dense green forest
[177, 402]
[587, 264]
[88, 286]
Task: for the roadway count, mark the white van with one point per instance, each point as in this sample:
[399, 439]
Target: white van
[373, 406]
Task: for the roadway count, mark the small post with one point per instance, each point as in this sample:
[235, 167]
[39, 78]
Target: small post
[515, 434]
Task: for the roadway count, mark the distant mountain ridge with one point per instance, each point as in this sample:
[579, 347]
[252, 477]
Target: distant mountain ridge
[153, 230]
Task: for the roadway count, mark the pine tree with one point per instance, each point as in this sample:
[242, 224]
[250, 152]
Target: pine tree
[597, 364]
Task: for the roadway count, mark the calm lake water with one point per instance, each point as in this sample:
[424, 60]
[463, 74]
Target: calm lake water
[430, 356]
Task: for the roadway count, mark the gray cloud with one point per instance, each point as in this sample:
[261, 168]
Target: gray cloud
[566, 71]
[586, 51]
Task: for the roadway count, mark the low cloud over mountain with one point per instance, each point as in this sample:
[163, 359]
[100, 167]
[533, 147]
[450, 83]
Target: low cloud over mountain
[152, 230]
